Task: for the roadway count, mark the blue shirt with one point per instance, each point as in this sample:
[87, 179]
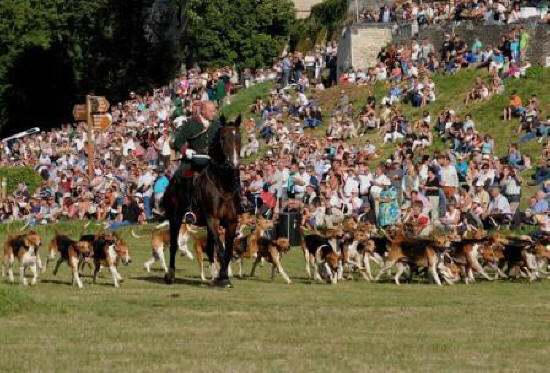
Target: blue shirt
[540, 207]
[514, 159]
[286, 64]
[160, 185]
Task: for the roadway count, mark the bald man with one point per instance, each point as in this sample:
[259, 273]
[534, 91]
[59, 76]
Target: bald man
[193, 138]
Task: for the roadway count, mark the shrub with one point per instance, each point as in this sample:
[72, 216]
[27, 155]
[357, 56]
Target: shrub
[534, 72]
[16, 174]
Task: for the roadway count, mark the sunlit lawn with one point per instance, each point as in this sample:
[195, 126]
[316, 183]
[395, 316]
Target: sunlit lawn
[261, 325]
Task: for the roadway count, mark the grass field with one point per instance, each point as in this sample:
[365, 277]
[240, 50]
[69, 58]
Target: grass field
[263, 326]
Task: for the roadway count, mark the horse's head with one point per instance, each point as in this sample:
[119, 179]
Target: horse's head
[230, 141]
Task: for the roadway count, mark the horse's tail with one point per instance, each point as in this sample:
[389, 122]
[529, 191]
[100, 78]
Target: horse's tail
[155, 228]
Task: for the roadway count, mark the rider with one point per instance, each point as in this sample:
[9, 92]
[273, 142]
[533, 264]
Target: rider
[192, 140]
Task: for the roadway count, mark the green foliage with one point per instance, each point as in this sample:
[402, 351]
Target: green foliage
[245, 33]
[323, 23]
[534, 72]
[54, 52]
[17, 174]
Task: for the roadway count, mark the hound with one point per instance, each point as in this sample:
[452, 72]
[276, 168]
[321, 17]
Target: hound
[272, 251]
[66, 249]
[161, 239]
[414, 251]
[25, 247]
[356, 253]
[109, 249]
[324, 254]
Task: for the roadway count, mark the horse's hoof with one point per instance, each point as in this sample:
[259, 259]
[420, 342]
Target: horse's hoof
[170, 277]
[223, 283]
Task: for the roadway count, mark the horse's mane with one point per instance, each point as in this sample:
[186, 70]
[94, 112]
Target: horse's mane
[215, 148]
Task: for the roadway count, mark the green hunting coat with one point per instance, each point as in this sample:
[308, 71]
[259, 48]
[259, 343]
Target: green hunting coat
[196, 135]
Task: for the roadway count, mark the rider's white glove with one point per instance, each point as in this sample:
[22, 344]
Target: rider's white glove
[189, 153]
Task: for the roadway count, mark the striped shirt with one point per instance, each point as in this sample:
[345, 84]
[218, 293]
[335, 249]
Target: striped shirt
[511, 187]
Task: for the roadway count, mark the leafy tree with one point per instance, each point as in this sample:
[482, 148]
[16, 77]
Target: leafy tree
[324, 22]
[53, 52]
[247, 33]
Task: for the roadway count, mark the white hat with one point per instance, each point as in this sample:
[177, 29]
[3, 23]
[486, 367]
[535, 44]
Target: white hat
[479, 183]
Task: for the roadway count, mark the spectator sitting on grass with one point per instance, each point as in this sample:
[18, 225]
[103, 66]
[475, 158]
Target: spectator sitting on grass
[514, 108]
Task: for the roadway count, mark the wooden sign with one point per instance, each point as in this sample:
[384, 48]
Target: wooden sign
[102, 122]
[99, 104]
[80, 113]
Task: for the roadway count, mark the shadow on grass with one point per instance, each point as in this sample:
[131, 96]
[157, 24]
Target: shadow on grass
[197, 282]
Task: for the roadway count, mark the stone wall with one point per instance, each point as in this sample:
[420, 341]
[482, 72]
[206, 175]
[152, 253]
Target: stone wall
[303, 7]
[365, 40]
[367, 43]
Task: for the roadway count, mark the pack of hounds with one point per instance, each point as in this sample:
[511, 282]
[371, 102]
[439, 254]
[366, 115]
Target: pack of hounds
[333, 256]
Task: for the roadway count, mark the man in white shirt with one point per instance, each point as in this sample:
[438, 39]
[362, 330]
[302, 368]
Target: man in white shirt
[378, 183]
[145, 186]
[281, 181]
[498, 211]
[301, 180]
[351, 183]
[365, 179]
[448, 177]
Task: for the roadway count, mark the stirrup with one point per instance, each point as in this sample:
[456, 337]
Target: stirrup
[190, 218]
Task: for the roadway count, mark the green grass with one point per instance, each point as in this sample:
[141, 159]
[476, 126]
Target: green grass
[263, 326]
[241, 102]
[451, 91]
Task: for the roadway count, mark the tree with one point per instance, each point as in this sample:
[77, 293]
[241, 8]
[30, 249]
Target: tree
[54, 52]
[247, 33]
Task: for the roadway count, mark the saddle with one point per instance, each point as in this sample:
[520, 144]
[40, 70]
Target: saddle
[194, 166]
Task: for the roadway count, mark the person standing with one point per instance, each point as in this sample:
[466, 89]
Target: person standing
[389, 210]
[332, 64]
[431, 190]
[286, 70]
[448, 177]
[524, 43]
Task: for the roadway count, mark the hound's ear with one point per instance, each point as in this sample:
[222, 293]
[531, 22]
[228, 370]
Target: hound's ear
[222, 120]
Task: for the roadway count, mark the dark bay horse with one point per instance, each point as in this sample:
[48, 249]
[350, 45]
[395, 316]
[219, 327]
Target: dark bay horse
[215, 197]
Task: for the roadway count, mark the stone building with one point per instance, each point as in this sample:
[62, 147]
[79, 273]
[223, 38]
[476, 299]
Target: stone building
[360, 43]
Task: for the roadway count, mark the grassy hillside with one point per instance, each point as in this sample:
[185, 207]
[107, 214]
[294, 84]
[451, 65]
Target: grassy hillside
[241, 102]
[267, 326]
[451, 91]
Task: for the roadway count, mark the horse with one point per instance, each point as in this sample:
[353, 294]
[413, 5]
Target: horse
[215, 200]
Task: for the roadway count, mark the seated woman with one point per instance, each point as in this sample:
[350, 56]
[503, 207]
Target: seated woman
[451, 221]
[416, 222]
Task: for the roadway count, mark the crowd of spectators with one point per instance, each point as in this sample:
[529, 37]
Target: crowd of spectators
[465, 186]
[433, 12]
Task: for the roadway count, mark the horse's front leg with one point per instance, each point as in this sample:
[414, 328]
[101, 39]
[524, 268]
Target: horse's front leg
[230, 233]
[225, 250]
[175, 224]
